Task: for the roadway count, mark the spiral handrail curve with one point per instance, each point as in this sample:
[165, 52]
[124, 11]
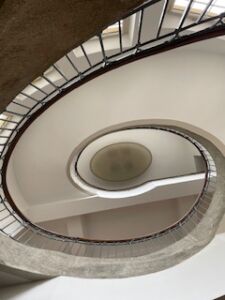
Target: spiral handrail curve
[38, 99]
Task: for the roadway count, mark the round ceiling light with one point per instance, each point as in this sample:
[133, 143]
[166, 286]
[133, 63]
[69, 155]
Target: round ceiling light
[121, 161]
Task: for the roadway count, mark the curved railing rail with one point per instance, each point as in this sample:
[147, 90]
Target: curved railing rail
[15, 225]
[76, 68]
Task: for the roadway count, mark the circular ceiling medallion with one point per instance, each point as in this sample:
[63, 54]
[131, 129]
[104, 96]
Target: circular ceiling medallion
[121, 161]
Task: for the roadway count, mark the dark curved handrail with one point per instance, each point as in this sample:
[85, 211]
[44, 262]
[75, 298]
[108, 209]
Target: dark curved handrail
[147, 126]
[206, 156]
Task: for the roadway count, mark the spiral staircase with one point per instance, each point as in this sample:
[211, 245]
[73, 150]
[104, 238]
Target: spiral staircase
[175, 26]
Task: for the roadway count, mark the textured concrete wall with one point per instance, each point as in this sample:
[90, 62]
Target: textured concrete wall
[198, 278]
[35, 34]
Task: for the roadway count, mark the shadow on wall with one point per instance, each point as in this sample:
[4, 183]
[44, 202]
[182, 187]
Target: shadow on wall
[19, 291]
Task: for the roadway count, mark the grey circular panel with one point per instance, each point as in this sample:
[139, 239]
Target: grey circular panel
[121, 161]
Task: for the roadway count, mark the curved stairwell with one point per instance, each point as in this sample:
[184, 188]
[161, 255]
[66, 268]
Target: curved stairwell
[15, 225]
[149, 253]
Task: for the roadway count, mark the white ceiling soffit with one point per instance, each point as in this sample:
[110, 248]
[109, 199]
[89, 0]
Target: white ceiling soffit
[171, 188]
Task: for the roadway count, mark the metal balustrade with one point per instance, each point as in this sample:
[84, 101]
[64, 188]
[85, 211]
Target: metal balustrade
[69, 73]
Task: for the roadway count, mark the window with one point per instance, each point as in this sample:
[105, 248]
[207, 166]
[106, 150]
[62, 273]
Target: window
[198, 6]
[4, 120]
[113, 29]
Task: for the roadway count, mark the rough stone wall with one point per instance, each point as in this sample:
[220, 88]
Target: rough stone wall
[35, 34]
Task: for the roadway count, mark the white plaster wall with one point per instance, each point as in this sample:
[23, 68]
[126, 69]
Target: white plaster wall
[119, 223]
[71, 207]
[199, 278]
[136, 221]
[184, 85]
